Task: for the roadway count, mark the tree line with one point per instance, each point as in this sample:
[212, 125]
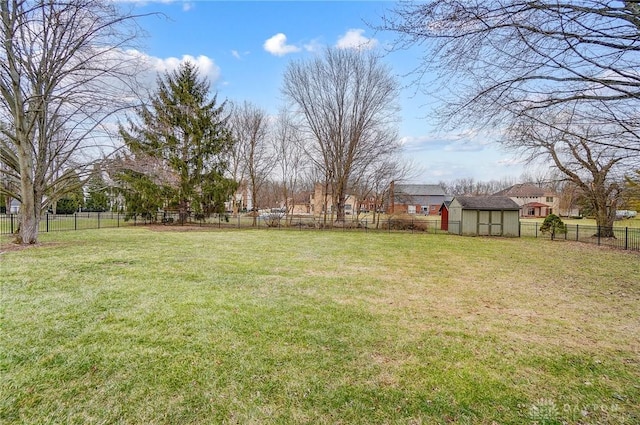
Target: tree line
[557, 80]
[66, 81]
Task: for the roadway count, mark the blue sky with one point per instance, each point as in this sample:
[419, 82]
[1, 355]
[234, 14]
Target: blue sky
[243, 47]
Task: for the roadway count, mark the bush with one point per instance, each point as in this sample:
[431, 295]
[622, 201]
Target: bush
[67, 206]
[412, 225]
[554, 225]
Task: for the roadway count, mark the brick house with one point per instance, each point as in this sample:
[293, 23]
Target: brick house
[415, 199]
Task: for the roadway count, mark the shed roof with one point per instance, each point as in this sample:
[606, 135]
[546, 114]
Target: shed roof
[487, 203]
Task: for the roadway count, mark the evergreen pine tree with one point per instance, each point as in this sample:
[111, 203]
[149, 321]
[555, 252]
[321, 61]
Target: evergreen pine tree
[97, 196]
[184, 134]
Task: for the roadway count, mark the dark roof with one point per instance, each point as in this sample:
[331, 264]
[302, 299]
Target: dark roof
[524, 190]
[445, 204]
[419, 189]
[487, 203]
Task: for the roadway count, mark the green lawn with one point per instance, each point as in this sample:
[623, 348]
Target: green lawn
[137, 326]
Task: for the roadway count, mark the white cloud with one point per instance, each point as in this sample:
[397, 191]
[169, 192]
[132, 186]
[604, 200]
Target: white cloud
[313, 46]
[239, 55]
[354, 39]
[187, 6]
[206, 66]
[277, 45]
[464, 141]
[511, 161]
[150, 66]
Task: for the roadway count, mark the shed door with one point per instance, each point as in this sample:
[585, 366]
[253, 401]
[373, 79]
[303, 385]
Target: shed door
[484, 223]
[496, 223]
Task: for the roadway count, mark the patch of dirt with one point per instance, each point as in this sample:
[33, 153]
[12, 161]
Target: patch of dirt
[8, 246]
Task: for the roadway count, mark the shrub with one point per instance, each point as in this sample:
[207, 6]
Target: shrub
[554, 225]
[412, 225]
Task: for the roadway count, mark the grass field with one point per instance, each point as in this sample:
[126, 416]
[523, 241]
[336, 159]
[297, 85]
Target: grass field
[134, 325]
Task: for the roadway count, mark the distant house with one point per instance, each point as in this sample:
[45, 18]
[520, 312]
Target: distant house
[14, 206]
[299, 203]
[241, 200]
[533, 200]
[321, 201]
[484, 216]
[415, 199]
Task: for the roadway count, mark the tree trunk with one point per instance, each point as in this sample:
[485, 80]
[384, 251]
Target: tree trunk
[605, 212]
[29, 214]
[340, 213]
[254, 203]
[28, 227]
[339, 199]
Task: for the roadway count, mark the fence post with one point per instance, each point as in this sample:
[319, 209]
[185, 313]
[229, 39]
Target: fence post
[98, 219]
[47, 221]
[577, 231]
[75, 221]
[11, 219]
[626, 238]
[536, 230]
[599, 235]
[118, 219]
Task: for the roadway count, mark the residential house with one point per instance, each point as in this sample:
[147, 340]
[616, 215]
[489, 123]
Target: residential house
[415, 198]
[241, 200]
[534, 201]
[14, 206]
[299, 203]
[322, 201]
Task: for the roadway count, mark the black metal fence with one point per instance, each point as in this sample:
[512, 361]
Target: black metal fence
[627, 238]
[617, 237]
[60, 222]
[305, 222]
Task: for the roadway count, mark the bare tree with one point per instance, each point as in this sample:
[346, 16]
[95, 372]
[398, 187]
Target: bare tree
[377, 181]
[289, 157]
[597, 169]
[499, 60]
[346, 99]
[250, 127]
[560, 78]
[632, 191]
[467, 186]
[62, 74]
